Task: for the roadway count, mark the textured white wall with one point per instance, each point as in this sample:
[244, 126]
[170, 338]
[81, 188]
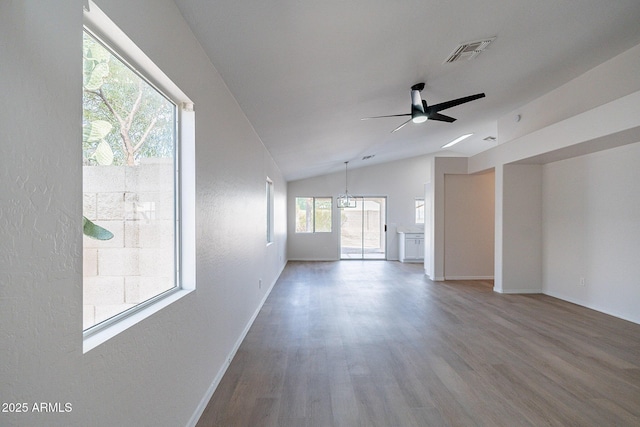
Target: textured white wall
[592, 231]
[158, 371]
[401, 181]
[40, 207]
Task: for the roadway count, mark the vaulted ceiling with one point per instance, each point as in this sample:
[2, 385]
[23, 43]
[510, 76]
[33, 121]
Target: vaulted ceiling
[305, 72]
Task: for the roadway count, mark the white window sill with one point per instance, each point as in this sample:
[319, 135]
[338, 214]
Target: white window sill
[99, 337]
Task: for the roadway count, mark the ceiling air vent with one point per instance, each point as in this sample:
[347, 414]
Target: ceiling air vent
[489, 139]
[469, 50]
[368, 157]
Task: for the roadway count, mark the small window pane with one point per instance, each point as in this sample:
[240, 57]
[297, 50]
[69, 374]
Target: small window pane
[304, 214]
[419, 211]
[323, 214]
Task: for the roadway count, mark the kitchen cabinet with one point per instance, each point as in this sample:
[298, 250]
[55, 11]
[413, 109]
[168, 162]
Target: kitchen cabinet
[411, 247]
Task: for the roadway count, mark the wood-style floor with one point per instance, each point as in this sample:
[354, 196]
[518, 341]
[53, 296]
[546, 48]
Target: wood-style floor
[375, 343]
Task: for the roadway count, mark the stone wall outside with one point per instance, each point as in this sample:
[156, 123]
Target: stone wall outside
[135, 203]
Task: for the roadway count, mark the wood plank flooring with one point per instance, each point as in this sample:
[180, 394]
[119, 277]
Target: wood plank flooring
[375, 343]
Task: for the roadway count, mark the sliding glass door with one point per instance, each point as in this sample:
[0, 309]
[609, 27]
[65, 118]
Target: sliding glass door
[363, 229]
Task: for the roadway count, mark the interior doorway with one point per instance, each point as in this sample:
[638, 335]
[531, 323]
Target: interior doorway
[363, 229]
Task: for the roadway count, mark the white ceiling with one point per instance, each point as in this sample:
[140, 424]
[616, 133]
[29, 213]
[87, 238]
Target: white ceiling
[305, 72]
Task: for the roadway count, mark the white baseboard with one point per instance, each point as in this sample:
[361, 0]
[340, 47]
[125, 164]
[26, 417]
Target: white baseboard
[223, 369]
[517, 291]
[314, 259]
[469, 278]
[591, 306]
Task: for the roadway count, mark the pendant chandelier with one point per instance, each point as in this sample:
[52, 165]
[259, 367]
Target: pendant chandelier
[346, 200]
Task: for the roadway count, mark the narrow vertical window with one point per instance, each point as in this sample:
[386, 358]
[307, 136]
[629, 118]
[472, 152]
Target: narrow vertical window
[130, 201]
[419, 206]
[304, 214]
[322, 216]
[270, 220]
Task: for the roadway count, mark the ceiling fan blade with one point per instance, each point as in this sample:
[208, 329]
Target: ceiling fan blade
[441, 117]
[444, 105]
[382, 117]
[401, 126]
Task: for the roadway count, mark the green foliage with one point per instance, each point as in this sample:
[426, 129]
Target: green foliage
[96, 130]
[313, 214]
[124, 118]
[323, 214]
[95, 231]
[103, 154]
[142, 121]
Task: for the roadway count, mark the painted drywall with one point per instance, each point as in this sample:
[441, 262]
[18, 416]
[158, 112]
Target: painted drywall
[596, 111]
[521, 224]
[401, 182]
[428, 228]
[591, 208]
[607, 126]
[434, 249]
[160, 370]
[469, 226]
[533, 221]
[607, 82]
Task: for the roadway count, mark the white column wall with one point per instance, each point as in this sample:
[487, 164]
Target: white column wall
[521, 230]
[441, 167]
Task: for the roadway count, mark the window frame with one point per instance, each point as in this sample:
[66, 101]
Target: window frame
[270, 210]
[313, 202]
[416, 207]
[106, 32]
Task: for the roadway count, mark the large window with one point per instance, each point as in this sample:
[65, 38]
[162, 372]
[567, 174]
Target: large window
[313, 214]
[132, 160]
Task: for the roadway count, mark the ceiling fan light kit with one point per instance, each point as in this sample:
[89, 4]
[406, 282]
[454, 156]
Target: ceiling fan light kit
[421, 112]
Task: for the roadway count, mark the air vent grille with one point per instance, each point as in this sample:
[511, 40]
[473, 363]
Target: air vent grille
[368, 157]
[489, 139]
[469, 50]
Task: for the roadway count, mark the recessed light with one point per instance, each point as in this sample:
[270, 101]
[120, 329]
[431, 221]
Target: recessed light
[458, 139]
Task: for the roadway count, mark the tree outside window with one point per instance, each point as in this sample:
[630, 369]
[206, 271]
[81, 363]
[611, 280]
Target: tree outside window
[129, 149]
[313, 214]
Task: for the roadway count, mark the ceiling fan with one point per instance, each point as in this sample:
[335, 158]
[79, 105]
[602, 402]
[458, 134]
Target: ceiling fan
[421, 112]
